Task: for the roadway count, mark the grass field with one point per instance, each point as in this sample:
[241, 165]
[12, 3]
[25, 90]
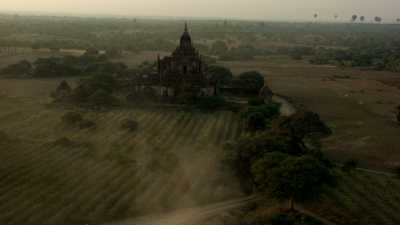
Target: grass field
[105, 173]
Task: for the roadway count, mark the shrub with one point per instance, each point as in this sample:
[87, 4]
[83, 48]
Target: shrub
[349, 165]
[63, 92]
[130, 125]
[72, 118]
[86, 124]
[256, 121]
[397, 172]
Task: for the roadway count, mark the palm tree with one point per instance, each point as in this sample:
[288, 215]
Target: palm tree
[378, 19]
[315, 16]
[362, 18]
[354, 18]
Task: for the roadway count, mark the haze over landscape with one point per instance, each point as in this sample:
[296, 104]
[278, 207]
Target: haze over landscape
[241, 9]
[199, 112]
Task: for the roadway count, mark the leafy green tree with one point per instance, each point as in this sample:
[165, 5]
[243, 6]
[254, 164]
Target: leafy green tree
[242, 154]
[252, 80]
[301, 125]
[349, 165]
[295, 179]
[258, 117]
[362, 18]
[219, 76]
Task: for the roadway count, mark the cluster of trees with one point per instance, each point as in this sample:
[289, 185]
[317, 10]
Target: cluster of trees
[378, 57]
[246, 83]
[258, 116]
[66, 66]
[96, 92]
[284, 161]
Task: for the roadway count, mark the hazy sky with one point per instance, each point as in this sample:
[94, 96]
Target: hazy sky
[246, 9]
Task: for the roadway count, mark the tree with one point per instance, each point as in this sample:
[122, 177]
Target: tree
[398, 20]
[252, 80]
[219, 76]
[397, 172]
[63, 92]
[243, 153]
[354, 18]
[257, 116]
[378, 19]
[22, 68]
[362, 18]
[294, 179]
[315, 16]
[349, 165]
[302, 124]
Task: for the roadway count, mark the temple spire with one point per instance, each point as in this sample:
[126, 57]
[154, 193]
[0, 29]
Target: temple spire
[186, 27]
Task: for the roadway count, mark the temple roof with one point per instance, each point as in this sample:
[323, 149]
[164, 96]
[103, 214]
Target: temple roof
[186, 40]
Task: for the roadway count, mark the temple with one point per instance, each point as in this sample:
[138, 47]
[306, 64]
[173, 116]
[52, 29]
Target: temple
[184, 70]
[182, 73]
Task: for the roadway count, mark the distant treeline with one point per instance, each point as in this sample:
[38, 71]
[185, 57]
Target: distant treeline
[242, 37]
[66, 66]
[372, 56]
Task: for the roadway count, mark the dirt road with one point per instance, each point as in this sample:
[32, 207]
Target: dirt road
[187, 216]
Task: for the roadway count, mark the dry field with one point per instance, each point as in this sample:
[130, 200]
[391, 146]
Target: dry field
[357, 104]
[106, 173]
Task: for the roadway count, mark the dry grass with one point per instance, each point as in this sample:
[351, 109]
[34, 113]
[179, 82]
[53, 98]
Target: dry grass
[360, 109]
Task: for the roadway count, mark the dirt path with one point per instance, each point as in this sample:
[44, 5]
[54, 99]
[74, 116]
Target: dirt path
[187, 216]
